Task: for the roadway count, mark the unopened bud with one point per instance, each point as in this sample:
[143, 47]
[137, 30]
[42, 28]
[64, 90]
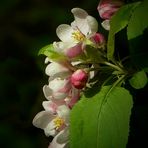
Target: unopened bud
[79, 79]
[107, 8]
[98, 38]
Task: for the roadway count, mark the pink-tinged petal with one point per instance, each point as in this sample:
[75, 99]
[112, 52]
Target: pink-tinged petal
[80, 20]
[59, 96]
[60, 88]
[92, 23]
[47, 92]
[50, 106]
[75, 96]
[42, 119]
[66, 87]
[98, 38]
[58, 102]
[106, 24]
[74, 51]
[107, 8]
[65, 46]
[64, 32]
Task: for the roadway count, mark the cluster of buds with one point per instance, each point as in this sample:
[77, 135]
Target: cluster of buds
[67, 79]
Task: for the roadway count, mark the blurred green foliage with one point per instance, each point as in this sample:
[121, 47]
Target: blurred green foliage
[25, 27]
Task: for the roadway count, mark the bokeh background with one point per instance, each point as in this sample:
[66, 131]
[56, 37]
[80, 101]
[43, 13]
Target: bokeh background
[25, 27]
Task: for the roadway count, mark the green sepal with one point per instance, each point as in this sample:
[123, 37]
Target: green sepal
[50, 52]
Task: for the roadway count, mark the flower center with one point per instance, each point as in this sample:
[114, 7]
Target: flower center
[58, 122]
[78, 36]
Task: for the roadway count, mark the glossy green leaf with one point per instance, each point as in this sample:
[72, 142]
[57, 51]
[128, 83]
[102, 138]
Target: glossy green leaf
[118, 22]
[137, 33]
[101, 121]
[92, 54]
[50, 52]
[139, 80]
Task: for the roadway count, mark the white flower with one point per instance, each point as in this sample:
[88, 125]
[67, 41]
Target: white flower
[51, 123]
[83, 26]
[72, 36]
[57, 89]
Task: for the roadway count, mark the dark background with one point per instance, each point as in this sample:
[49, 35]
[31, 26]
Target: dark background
[25, 27]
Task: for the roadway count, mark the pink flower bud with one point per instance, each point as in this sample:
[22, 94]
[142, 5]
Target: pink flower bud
[79, 79]
[98, 38]
[107, 8]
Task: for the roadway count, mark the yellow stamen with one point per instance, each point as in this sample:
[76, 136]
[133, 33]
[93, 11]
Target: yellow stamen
[78, 36]
[58, 122]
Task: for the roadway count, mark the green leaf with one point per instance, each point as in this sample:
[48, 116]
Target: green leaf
[101, 121]
[92, 54]
[139, 80]
[50, 52]
[118, 22]
[137, 32]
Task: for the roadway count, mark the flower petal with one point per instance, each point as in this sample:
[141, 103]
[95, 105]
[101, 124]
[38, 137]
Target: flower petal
[42, 119]
[55, 68]
[80, 20]
[47, 92]
[63, 111]
[64, 32]
[50, 129]
[63, 136]
[106, 24]
[50, 106]
[55, 142]
[74, 51]
[60, 88]
[93, 24]
[75, 96]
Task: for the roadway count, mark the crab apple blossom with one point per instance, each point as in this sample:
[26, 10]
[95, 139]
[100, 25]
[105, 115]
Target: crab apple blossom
[51, 123]
[75, 35]
[79, 79]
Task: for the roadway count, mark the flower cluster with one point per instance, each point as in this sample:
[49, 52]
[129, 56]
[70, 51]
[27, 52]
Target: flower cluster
[79, 48]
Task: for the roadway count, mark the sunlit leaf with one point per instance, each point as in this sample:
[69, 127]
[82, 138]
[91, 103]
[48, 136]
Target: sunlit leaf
[137, 33]
[139, 80]
[101, 121]
[50, 52]
[118, 22]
